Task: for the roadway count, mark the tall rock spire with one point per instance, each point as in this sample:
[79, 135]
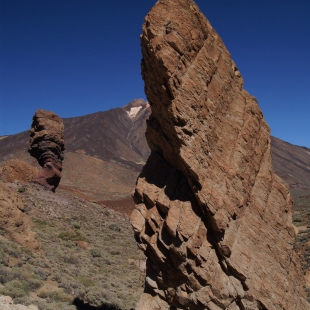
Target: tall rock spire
[211, 216]
[47, 146]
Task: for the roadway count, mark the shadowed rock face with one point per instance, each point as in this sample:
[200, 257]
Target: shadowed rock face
[47, 146]
[211, 216]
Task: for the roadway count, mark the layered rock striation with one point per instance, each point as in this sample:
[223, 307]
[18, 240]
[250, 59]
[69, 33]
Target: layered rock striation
[211, 216]
[47, 146]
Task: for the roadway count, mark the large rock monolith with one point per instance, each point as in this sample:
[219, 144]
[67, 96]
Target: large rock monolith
[47, 146]
[211, 216]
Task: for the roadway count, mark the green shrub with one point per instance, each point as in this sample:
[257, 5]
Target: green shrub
[106, 213]
[70, 244]
[14, 253]
[25, 258]
[39, 263]
[87, 282]
[10, 274]
[76, 225]
[39, 224]
[21, 189]
[15, 288]
[34, 284]
[2, 257]
[7, 274]
[57, 277]
[74, 288]
[104, 298]
[297, 218]
[95, 253]
[72, 235]
[301, 238]
[55, 295]
[72, 259]
[60, 296]
[43, 274]
[54, 305]
[115, 227]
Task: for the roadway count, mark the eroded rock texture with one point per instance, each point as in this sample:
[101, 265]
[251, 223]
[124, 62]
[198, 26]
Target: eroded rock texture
[47, 146]
[17, 170]
[211, 216]
[13, 220]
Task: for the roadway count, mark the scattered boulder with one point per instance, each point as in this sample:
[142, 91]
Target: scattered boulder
[47, 146]
[83, 245]
[211, 216]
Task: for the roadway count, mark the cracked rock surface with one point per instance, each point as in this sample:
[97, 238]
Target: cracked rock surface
[211, 216]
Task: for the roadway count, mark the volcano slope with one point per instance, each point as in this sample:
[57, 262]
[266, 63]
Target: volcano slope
[63, 252]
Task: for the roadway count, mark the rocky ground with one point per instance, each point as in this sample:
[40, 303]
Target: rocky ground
[6, 303]
[87, 255]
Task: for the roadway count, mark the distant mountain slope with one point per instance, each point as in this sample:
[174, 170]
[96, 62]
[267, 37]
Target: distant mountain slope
[95, 179]
[291, 162]
[14, 144]
[115, 136]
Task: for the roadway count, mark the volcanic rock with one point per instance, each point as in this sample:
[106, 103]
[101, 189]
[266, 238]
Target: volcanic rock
[17, 170]
[47, 146]
[13, 221]
[211, 216]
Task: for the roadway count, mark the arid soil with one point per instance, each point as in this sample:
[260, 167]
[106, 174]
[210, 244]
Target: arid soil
[86, 255]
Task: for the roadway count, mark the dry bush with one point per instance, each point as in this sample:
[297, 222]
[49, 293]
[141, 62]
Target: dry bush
[15, 288]
[72, 235]
[100, 275]
[56, 295]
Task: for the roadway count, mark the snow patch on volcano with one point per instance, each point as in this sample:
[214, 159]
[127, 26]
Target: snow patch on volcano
[134, 111]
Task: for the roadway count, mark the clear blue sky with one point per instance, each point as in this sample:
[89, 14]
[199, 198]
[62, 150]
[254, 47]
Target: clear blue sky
[76, 57]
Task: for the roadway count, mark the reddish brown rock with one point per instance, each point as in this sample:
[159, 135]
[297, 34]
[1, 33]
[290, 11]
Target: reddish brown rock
[83, 245]
[47, 146]
[13, 221]
[17, 170]
[211, 216]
